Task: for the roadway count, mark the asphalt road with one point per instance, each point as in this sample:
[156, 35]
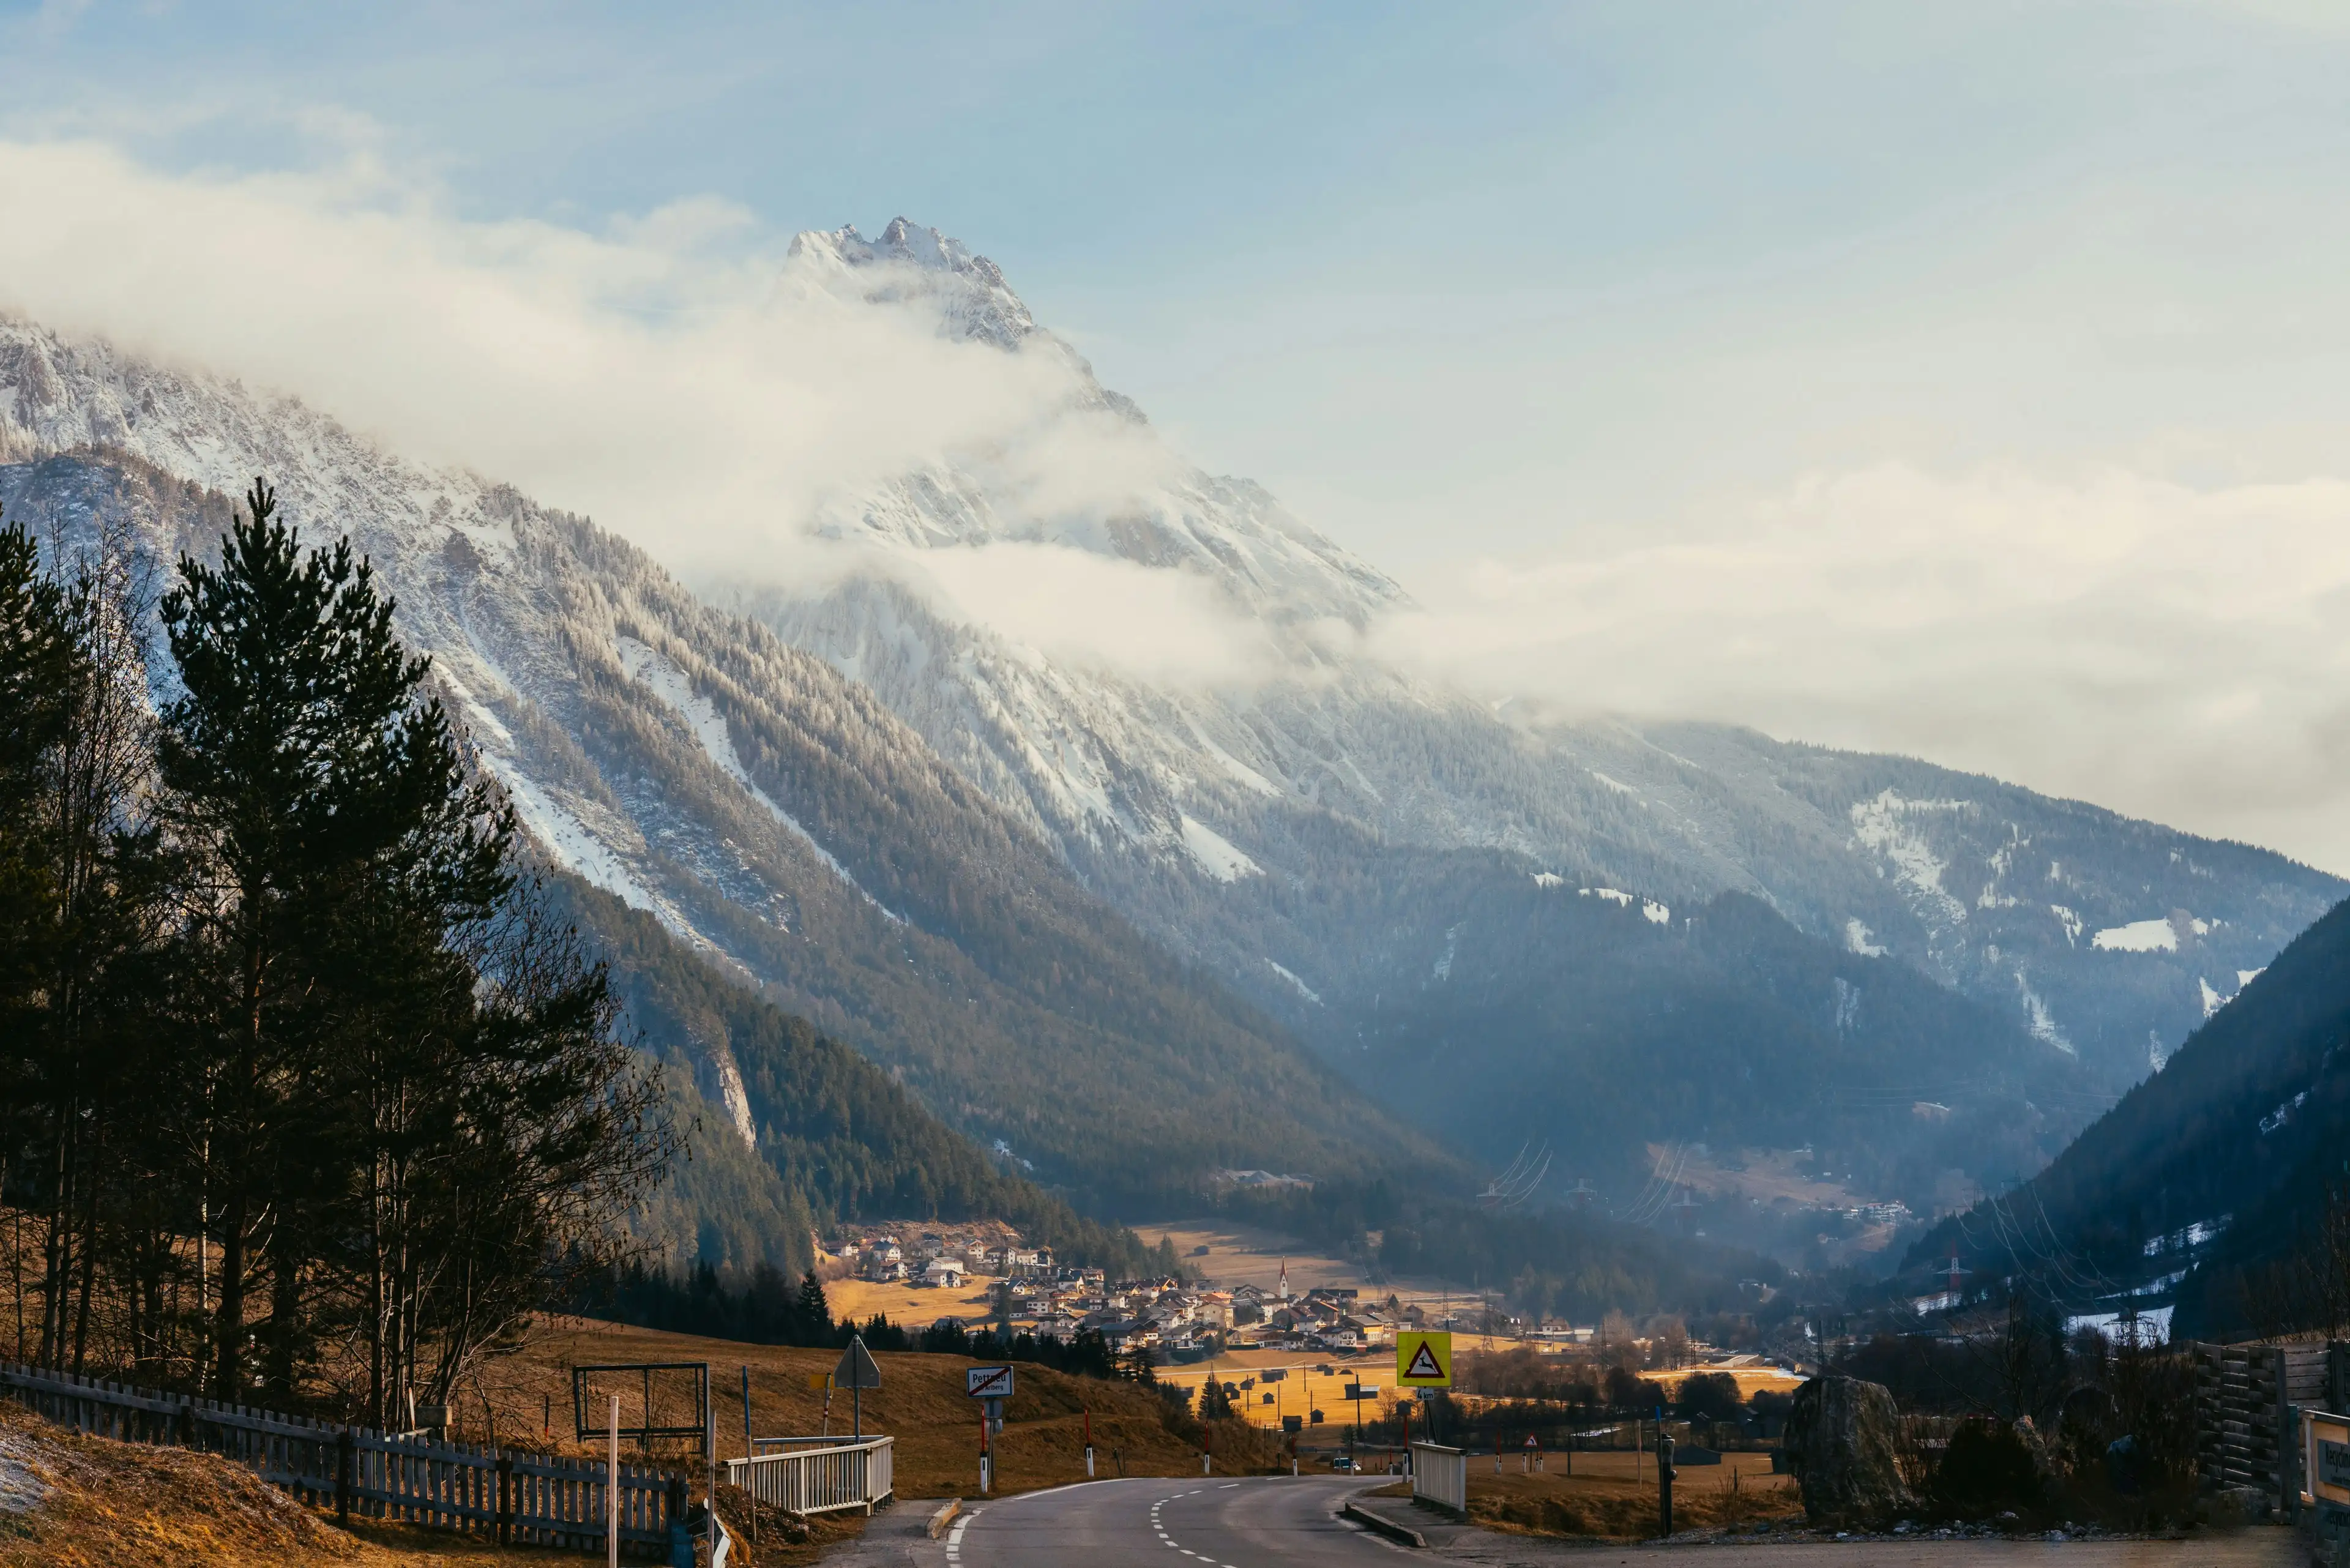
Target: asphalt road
[1179, 1523]
[1219, 1523]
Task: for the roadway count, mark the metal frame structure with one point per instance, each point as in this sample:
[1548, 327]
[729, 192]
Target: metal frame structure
[645, 1432]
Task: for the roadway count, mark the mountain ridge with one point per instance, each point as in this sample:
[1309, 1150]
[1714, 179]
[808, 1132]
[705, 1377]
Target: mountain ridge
[1132, 779]
[896, 908]
[889, 812]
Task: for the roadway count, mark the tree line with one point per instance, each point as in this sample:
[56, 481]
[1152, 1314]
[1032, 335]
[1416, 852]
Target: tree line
[305, 1091]
[764, 1308]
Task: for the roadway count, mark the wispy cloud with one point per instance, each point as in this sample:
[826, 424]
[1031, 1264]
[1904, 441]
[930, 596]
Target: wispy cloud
[2178, 653]
[672, 374]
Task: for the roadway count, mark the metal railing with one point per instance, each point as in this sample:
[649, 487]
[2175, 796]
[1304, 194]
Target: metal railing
[818, 1479]
[1441, 1476]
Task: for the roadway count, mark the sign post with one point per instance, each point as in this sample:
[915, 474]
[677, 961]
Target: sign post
[856, 1373]
[1423, 1361]
[1665, 1473]
[991, 1386]
[1356, 1394]
[612, 1491]
[1087, 1412]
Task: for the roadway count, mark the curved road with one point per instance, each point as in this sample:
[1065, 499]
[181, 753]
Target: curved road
[1199, 1523]
[1183, 1523]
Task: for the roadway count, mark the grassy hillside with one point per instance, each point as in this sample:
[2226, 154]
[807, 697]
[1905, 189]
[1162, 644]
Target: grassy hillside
[921, 1403]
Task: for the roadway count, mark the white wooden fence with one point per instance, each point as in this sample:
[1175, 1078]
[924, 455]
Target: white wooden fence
[817, 1474]
[1441, 1476]
[528, 1498]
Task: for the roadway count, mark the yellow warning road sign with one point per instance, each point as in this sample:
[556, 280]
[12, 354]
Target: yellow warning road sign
[1424, 1360]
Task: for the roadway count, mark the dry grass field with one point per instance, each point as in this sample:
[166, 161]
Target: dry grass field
[1301, 1390]
[1605, 1498]
[921, 1403]
[909, 1306]
[1246, 1255]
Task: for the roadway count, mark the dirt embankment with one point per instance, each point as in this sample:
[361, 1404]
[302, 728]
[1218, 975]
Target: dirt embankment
[90, 1503]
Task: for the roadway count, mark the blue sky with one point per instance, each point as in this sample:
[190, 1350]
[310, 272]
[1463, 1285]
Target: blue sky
[1984, 367]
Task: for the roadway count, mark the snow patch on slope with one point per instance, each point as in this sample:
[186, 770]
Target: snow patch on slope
[1884, 825]
[562, 835]
[669, 683]
[1858, 938]
[2037, 1017]
[1216, 854]
[2139, 936]
[22, 1490]
[1303, 990]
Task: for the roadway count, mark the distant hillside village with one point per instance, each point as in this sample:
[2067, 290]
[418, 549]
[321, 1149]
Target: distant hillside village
[1183, 1321]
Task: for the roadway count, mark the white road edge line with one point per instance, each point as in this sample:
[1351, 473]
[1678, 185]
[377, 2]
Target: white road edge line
[1047, 1491]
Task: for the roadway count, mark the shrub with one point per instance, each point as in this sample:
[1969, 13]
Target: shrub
[1987, 1470]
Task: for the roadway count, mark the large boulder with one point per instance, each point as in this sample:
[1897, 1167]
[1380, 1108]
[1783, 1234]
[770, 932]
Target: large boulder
[1843, 1443]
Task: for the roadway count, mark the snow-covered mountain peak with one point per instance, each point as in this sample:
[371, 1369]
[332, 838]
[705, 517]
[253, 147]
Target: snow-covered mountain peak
[910, 262]
[60, 393]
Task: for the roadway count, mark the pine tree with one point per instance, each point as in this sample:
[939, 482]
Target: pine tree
[273, 761]
[408, 1067]
[37, 658]
[815, 1313]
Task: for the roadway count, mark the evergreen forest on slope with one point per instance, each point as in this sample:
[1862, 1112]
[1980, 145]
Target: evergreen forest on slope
[2207, 1184]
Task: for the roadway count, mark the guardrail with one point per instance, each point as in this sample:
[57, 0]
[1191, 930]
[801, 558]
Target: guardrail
[777, 1445]
[1441, 1476]
[528, 1498]
[818, 1479]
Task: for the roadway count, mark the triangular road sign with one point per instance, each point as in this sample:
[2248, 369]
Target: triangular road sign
[1423, 1359]
[857, 1369]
